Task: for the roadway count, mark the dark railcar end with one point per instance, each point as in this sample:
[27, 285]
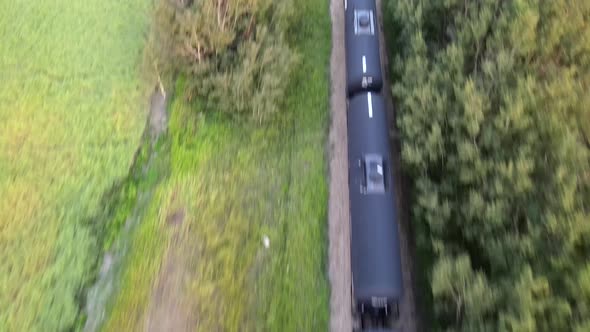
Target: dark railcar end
[363, 60]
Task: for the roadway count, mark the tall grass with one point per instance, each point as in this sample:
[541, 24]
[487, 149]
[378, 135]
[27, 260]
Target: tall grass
[234, 183]
[71, 115]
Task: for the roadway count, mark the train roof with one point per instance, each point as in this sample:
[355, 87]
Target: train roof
[361, 4]
[375, 248]
[376, 260]
[363, 58]
[368, 130]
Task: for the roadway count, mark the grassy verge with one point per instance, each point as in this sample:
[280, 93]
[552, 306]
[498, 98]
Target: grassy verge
[230, 184]
[71, 116]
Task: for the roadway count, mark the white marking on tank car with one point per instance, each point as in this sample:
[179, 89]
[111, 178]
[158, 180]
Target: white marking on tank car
[370, 102]
[364, 64]
[345, 4]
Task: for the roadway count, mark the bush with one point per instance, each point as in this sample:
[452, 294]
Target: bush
[492, 102]
[232, 52]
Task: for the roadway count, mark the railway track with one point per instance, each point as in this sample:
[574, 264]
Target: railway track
[338, 213]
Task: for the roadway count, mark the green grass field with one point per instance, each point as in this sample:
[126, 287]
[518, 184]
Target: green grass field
[229, 184]
[72, 109]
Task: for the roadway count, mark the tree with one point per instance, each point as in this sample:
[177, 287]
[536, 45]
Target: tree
[491, 111]
[233, 53]
[463, 293]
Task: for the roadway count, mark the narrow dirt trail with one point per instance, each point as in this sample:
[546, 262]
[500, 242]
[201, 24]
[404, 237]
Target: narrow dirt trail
[338, 210]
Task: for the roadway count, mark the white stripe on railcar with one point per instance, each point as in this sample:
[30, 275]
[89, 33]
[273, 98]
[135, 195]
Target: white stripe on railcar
[370, 102]
[364, 64]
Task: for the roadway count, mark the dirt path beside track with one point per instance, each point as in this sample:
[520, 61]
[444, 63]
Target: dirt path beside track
[338, 209]
[338, 212]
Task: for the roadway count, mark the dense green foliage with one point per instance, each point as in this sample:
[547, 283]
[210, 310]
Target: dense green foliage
[228, 184]
[71, 115]
[233, 52]
[492, 99]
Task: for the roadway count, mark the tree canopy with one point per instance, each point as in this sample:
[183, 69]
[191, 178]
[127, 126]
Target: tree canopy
[233, 53]
[493, 111]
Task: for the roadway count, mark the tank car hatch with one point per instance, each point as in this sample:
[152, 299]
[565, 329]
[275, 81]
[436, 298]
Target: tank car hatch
[374, 174]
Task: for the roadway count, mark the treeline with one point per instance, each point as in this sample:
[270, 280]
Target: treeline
[493, 99]
[233, 53]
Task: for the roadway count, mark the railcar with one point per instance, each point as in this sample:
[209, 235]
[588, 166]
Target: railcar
[363, 60]
[375, 257]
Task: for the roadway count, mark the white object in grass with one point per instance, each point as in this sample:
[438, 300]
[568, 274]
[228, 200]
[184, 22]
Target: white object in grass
[266, 241]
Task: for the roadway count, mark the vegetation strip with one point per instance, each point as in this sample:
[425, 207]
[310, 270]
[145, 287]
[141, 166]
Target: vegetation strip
[198, 259]
[71, 115]
[493, 113]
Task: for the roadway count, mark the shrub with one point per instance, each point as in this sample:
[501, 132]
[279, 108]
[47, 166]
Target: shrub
[233, 52]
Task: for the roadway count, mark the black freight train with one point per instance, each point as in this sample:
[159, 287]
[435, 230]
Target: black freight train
[377, 287]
